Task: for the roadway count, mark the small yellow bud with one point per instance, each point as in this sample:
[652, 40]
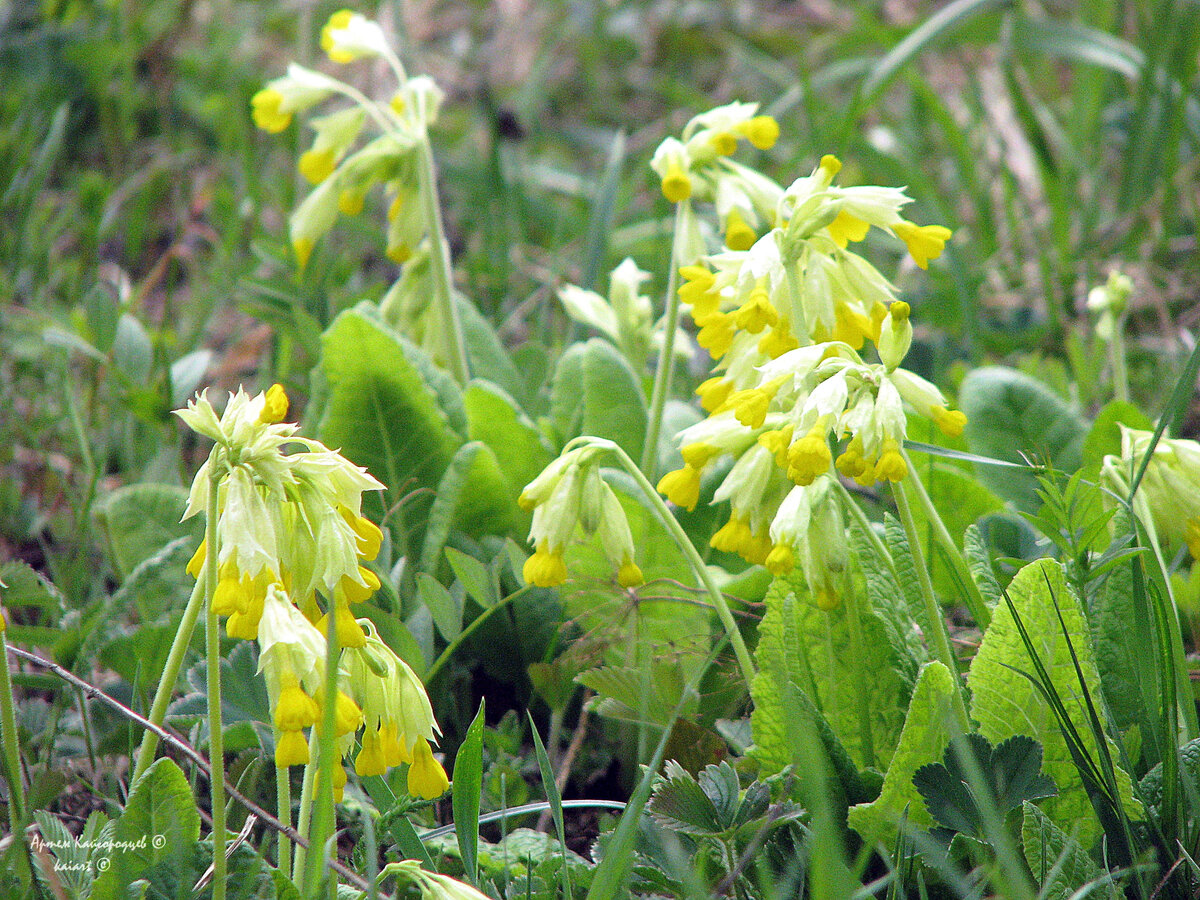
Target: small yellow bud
[950, 421]
[275, 405]
[195, 565]
[545, 568]
[738, 235]
[398, 104]
[291, 749]
[349, 632]
[676, 186]
[733, 536]
[370, 759]
[827, 599]
[303, 248]
[266, 108]
[900, 311]
[714, 392]
[399, 254]
[780, 560]
[317, 165]
[761, 131]
[891, 465]
[808, 458]
[630, 575]
[233, 592]
[426, 777]
[846, 228]
[295, 710]
[337, 21]
[394, 752]
[925, 242]
[831, 165]
[350, 203]
[681, 487]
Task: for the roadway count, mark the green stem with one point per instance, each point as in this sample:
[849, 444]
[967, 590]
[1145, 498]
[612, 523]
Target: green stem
[974, 599]
[443, 279]
[745, 663]
[1116, 356]
[327, 758]
[305, 819]
[283, 803]
[445, 655]
[8, 732]
[170, 675]
[940, 636]
[212, 644]
[666, 359]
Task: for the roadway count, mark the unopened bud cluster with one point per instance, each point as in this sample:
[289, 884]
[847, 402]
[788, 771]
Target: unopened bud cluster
[291, 547]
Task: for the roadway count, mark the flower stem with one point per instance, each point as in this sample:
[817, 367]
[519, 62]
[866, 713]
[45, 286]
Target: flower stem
[212, 642]
[745, 663]
[666, 359]
[166, 684]
[940, 636]
[974, 599]
[304, 820]
[8, 732]
[443, 279]
[327, 758]
[283, 802]
[858, 644]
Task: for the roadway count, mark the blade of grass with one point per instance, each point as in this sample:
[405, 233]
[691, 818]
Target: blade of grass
[554, 799]
[468, 784]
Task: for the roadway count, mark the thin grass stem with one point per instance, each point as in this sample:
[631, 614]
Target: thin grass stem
[212, 643]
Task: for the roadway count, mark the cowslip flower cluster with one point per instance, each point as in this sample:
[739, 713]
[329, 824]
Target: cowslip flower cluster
[1169, 492]
[571, 496]
[291, 547]
[786, 317]
[355, 149]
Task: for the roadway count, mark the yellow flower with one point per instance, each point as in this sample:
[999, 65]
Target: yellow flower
[681, 487]
[291, 749]
[370, 759]
[925, 242]
[426, 777]
[546, 568]
[845, 228]
[761, 131]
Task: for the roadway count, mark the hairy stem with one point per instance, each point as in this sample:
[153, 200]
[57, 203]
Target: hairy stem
[283, 804]
[745, 663]
[974, 599]
[212, 643]
[443, 280]
[170, 675]
[8, 732]
[940, 636]
[666, 359]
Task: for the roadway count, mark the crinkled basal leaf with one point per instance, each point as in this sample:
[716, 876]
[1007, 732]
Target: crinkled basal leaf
[979, 559]
[1010, 414]
[158, 829]
[858, 684]
[886, 599]
[596, 392]
[1005, 703]
[906, 572]
[1151, 785]
[1121, 647]
[388, 407]
[923, 740]
[1050, 851]
[138, 519]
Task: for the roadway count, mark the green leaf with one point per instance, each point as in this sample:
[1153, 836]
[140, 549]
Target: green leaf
[244, 698]
[468, 783]
[891, 605]
[475, 577]
[159, 828]
[680, 804]
[1009, 775]
[1010, 414]
[550, 786]
[860, 688]
[26, 588]
[905, 567]
[1005, 703]
[595, 392]
[926, 733]
[137, 520]
[388, 407]
[473, 496]
[486, 354]
[975, 549]
[133, 351]
[494, 418]
[1060, 865]
[447, 615]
